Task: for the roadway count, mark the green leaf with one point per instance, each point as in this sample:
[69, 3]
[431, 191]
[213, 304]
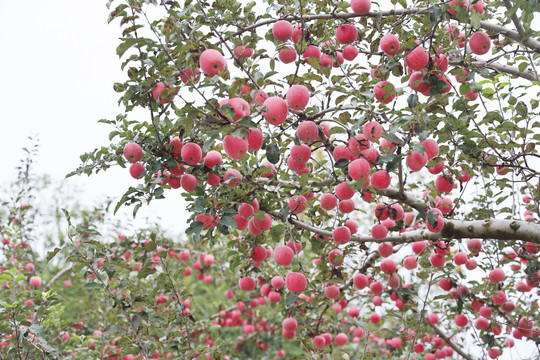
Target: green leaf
[475, 19]
[272, 153]
[341, 163]
[195, 229]
[521, 109]
[412, 100]
[357, 185]
[51, 254]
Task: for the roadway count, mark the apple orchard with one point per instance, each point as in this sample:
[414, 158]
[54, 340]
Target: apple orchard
[362, 182]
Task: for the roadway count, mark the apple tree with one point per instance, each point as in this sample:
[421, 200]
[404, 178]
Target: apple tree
[367, 173]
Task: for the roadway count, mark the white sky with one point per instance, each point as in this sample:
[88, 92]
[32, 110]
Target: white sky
[58, 65]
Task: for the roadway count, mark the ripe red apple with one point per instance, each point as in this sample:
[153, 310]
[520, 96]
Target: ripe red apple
[35, 281]
[361, 7]
[297, 97]
[189, 75]
[247, 283]
[336, 257]
[384, 92]
[296, 282]
[444, 184]
[389, 44]
[158, 90]
[480, 43]
[328, 201]
[287, 55]
[297, 204]
[301, 153]
[212, 158]
[255, 139]
[346, 206]
[212, 62]
[410, 262]
[372, 130]
[359, 169]
[191, 153]
[478, 6]
[136, 170]
[341, 235]
[312, 51]
[239, 105]
[474, 245]
[282, 30]
[497, 275]
[307, 131]
[332, 292]
[326, 61]
[380, 179]
[416, 160]
[346, 34]
[341, 339]
[277, 110]
[235, 177]
[189, 182]
[212, 179]
[416, 83]
[379, 232]
[454, 5]
[350, 52]
[417, 59]
[235, 147]
[388, 266]
[133, 152]
[243, 51]
[360, 281]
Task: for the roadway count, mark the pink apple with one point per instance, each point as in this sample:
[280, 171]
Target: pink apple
[297, 97]
[389, 44]
[282, 30]
[417, 59]
[287, 55]
[307, 131]
[384, 92]
[361, 7]
[350, 52]
[191, 153]
[238, 105]
[133, 152]
[212, 62]
[480, 43]
[277, 110]
[346, 34]
[235, 147]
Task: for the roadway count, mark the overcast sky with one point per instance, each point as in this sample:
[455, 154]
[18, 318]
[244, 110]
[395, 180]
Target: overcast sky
[58, 65]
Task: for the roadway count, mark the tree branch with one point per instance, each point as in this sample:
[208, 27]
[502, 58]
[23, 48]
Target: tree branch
[447, 339]
[512, 70]
[59, 275]
[514, 18]
[455, 229]
[511, 34]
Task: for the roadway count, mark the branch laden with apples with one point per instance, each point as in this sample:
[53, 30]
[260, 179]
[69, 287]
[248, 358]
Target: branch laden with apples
[305, 123]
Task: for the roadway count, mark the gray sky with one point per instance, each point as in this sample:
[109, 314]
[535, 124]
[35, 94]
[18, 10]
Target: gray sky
[58, 65]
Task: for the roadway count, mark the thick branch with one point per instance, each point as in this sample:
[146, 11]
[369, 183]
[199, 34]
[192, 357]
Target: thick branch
[514, 18]
[447, 339]
[454, 229]
[59, 275]
[512, 70]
